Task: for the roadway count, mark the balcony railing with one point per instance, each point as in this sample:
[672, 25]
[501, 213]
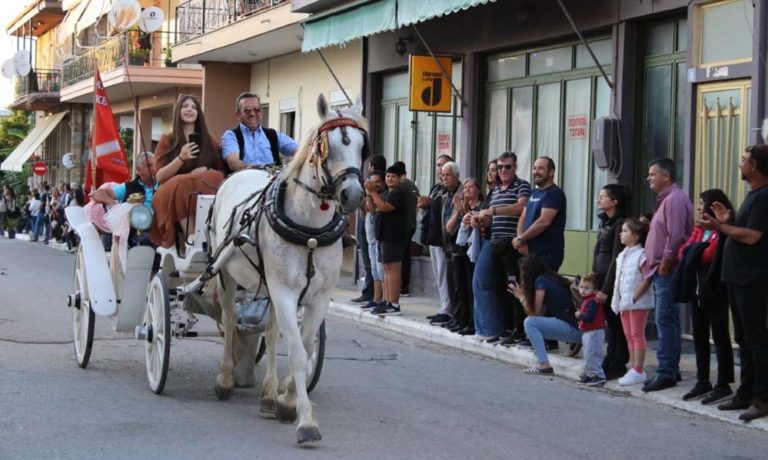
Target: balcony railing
[37, 81]
[198, 17]
[111, 54]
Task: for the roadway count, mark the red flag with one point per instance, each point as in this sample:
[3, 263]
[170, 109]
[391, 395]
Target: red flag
[107, 150]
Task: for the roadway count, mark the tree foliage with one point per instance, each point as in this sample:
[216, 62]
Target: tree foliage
[13, 130]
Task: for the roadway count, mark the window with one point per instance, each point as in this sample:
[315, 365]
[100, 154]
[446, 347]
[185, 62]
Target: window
[288, 116]
[415, 138]
[725, 32]
[549, 112]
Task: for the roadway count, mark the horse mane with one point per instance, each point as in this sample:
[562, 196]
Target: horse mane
[305, 148]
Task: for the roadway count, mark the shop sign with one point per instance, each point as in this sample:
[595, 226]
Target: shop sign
[430, 89]
[443, 143]
[39, 168]
[577, 127]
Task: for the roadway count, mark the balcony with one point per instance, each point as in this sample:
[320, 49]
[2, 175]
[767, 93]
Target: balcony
[235, 30]
[39, 90]
[126, 70]
[37, 18]
[198, 17]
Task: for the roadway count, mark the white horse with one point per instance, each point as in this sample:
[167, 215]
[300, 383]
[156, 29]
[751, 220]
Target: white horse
[271, 234]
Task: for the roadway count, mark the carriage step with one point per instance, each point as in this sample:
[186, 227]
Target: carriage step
[73, 300]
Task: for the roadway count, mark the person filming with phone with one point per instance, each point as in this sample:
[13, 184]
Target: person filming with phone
[188, 162]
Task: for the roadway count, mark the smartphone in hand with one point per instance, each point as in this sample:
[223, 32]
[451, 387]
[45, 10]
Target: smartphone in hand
[194, 137]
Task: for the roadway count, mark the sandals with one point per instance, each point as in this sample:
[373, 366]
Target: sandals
[539, 371]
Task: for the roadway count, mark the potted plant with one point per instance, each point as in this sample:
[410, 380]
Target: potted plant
[168, 59]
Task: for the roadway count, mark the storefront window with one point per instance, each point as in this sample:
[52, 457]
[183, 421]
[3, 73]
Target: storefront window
[522, 129]
[549, 61]
[575, 161]
[497, 122]
[506, 67]
[548, 121]
[732, 19]
[416, 138]
[603, 50]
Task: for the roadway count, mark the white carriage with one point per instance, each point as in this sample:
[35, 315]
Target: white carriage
[156, 306]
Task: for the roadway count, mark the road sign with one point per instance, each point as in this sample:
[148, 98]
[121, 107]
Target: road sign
[39, 168]
[430, 88]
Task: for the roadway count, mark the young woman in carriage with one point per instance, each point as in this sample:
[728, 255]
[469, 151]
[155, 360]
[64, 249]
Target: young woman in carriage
[188, 162]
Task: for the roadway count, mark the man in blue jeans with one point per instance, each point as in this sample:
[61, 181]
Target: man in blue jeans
[671, 224]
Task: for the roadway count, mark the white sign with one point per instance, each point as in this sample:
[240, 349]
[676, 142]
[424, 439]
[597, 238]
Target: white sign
[577, 127]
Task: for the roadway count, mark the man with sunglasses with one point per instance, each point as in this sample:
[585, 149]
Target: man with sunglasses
[249, 145]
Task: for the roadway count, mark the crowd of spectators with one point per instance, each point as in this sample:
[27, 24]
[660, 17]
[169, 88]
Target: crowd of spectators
[41, 213]
[496, 249]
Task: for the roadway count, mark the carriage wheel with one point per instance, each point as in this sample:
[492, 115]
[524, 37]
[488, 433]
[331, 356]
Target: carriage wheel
[157, 320]
[82, 314]
[315, 361]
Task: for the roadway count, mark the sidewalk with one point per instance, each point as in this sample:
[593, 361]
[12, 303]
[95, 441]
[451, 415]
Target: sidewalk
[413, 323]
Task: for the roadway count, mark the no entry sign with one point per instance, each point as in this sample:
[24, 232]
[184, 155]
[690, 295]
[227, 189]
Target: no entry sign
[39, 168]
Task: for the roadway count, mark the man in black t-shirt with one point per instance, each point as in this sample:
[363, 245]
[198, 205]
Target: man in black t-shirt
[392, 236]
[745, 270]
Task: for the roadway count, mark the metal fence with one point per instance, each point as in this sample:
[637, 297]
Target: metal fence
[198, 17]
[37, 81]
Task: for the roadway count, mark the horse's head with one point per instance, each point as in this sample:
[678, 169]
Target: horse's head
[342, 144]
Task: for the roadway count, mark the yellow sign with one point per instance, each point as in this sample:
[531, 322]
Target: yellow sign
[430, 89]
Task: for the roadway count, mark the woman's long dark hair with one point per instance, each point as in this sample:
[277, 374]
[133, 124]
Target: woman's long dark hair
[715, 195]
[531, 267]
[208, 155]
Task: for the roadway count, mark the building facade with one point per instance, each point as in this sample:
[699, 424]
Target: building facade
[528, 84]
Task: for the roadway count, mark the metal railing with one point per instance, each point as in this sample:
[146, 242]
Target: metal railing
[131, 48]
[37, 81]
[198, 17]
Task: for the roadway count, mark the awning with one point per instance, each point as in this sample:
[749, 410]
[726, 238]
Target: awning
[87, 12]
[351, 24]
[39, 133]
[415, 11]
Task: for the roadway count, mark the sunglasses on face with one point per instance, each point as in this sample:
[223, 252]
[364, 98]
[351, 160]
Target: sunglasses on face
[250, 110]
[505, 167]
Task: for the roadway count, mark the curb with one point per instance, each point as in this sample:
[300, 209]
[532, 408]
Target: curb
[564, 367]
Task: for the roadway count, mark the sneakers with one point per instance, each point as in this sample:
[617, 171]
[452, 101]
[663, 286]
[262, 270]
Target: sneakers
[700, 389]
[386, 309]
[361, 299]
[594, 381]
[441, 319]
[632, 377]
[371, 304]
[405, 293]
[718, 393]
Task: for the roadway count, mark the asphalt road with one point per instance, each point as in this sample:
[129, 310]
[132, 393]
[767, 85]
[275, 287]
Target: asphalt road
[380, 396]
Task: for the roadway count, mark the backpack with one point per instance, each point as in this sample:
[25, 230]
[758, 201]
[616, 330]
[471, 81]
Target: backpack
[271, 137]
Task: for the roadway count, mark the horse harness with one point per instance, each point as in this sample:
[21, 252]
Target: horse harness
[270, 201]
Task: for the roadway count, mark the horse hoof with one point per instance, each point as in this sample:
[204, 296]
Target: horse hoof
[223, 393]
[308, 434]
[286, 414]
[245, 385]
[268, 406]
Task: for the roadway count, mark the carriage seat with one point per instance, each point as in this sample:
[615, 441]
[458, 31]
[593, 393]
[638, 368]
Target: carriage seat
[195, 258]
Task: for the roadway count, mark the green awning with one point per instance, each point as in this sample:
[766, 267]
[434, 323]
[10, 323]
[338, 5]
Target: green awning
[415, 11]
[362, 21]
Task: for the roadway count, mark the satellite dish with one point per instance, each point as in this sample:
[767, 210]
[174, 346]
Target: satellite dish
[9, 69]
[151, 19]
[23, 68]
[21, 62]
[124, 14]
[68, 160]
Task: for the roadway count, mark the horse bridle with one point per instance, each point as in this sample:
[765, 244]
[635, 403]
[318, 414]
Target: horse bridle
[319, 159]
